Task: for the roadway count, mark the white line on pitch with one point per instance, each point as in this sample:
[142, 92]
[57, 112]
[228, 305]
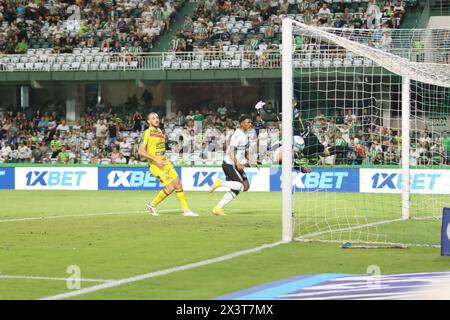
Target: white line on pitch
[98, 214]
[154, 274]
[79, 215]
[4, 276]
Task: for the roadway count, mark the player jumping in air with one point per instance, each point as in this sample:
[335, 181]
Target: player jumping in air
[153, 148]
[234, 162]
[301, 128]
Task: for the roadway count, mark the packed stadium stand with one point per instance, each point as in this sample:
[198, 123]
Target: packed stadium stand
[113, 35]
[106, 138]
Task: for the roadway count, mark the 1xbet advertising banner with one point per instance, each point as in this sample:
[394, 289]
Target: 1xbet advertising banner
[120, 178]
[201, 178]
[56, 178]
[6, 178]
[425, 181]
[327, 179]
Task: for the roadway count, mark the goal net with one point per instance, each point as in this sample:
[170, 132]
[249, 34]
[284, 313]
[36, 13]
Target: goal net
[373, 107]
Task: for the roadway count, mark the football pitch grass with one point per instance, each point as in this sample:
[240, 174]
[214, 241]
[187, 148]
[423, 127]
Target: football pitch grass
[109, 236]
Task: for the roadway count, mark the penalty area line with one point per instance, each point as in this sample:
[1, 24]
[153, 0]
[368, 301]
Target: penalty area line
[159, 273]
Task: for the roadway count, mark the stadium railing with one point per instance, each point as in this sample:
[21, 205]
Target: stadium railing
[401, 42]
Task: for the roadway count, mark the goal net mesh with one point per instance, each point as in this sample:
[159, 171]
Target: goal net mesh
[348, 94]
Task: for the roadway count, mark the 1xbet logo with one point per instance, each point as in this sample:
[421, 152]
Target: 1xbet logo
[55, 178]
[131, 179]
[419, 181]
[206, 178]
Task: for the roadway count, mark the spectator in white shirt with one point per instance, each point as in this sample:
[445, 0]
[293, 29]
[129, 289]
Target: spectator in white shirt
[63, 128]
[100, 131]
[121, 159]
[5, 153]
[324, 13]
[125, 149]
[24, 153]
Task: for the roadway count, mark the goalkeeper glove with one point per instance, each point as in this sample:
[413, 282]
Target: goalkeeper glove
[259, 105]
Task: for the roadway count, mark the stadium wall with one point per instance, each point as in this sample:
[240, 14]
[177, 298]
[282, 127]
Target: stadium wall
[199, 178]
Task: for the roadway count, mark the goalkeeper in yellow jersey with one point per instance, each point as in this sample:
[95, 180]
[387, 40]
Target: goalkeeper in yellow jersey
[153, 148]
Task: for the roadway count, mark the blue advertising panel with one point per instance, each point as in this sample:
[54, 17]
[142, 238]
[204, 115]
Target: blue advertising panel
[445, 243]
[6, 178]
[424, 181]
[55, 178]
[120, 178]
[201, 178]
[321, 179]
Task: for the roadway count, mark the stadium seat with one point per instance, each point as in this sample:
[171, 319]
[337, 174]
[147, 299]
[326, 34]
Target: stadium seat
[38, 66]
[215, 64]
[225, 64]
[20, 66]
[357, 62]
[337, 62]
[306, 63]
[166, 64]
[93, 66]
[297, 63]
[326, 63]
[206, 64]
[98, 58]
[75, 65]
[175, 65]
[347, 62]
[51, 58]
[196, 65]
[56, 66]
[46, 66]
[185, 65]
[69, 58]
[315, 63]
[368, 62]
[133, 65]
[235, 63]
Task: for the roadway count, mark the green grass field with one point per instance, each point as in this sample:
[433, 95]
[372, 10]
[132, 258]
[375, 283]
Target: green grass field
[110, 237]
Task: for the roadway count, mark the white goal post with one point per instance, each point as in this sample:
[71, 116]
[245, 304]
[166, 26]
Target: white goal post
[425, 70]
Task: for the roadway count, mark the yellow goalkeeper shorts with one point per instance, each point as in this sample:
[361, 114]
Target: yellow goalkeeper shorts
[165, 174]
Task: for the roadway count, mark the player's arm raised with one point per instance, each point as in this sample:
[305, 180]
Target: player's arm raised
[143, 153]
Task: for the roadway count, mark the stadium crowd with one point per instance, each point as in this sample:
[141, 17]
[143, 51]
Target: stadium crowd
[201, 136]
[111, 25]
[133, 25]
[256, 25]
